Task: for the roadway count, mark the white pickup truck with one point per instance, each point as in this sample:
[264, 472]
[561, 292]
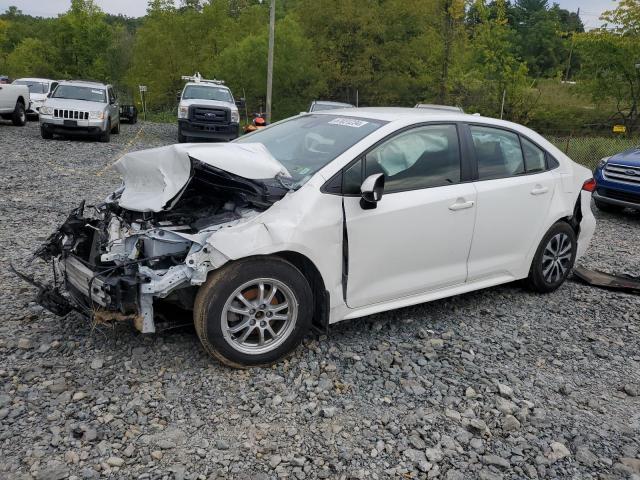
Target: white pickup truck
[14, 102]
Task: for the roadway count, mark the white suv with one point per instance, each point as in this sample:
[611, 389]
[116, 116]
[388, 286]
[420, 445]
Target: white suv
[80, 107]
[325, 217]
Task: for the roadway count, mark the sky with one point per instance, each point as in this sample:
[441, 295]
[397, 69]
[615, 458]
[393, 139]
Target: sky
[590, 10]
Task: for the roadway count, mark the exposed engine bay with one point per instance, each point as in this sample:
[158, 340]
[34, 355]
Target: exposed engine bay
[116, 260]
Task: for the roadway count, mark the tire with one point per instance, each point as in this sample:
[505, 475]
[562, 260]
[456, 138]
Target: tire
[45, 134]
[219, 295]
[607, 207]
[105, 137]
[19, 117]
[552, 262]
[134, 120]
[116, 130]
[181, 138]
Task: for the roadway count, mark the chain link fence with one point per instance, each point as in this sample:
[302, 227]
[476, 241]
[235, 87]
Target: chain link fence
[589, 150]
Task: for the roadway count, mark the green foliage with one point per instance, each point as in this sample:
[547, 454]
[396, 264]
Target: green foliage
[378, 52]
[31, 57]
[611, 59]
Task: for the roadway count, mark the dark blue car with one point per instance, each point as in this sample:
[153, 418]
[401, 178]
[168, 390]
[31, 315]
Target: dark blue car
[618, 181]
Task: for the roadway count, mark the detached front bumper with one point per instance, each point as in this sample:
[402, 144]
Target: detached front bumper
[212, 131]
[65, 126]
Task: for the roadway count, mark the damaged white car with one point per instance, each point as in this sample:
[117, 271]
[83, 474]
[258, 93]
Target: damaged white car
[320, 218]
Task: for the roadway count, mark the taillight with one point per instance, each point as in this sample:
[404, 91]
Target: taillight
[589, 185]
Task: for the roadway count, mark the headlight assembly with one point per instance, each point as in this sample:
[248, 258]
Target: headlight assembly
[96, 115]
[235, 116]
[603, 162]
[183, 112]
[46, 111]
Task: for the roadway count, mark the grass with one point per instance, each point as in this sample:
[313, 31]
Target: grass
[588, 151]
[564, 108]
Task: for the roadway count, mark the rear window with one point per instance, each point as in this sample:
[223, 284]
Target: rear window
[76, 92]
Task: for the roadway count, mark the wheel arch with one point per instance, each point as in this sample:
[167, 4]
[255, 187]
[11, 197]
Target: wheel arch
[22, 101]
[321, 295]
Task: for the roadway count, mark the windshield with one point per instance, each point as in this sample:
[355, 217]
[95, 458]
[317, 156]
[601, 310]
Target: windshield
[34, 87]
[307, 143]
[204, 92]
[75, 92]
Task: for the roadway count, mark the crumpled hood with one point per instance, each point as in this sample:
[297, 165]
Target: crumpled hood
[152, 178]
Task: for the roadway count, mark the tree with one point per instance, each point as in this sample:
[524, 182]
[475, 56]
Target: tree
[492, 69]
[31, 57]
[297, 78]
[625, 19]
[82, 39]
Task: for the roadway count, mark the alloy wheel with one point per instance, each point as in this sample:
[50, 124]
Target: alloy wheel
[259, 316]
[556, 258]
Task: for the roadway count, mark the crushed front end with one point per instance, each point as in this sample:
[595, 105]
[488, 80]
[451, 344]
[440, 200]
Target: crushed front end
[116, 262]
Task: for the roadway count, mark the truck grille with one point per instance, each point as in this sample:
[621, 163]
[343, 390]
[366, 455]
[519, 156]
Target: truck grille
[71, 114]
[210, 114]
[622, 173]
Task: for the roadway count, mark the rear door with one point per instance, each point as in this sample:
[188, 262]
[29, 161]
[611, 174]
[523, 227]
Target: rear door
[418, 237]
[514, 196]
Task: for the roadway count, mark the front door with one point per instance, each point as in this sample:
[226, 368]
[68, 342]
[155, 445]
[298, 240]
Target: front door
[418, 237]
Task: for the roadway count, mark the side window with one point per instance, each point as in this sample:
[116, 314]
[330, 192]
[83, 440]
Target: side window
[423, 157]
[498, 153]
[534, 157]
[352, 179]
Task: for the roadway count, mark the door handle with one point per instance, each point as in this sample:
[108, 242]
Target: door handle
[539, 190]
[461, 205]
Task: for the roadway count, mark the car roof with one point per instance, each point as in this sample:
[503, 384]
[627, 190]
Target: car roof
[417, 115]
[207, 84]
[33, 79]
[88, 83]
[327, 102]
[434, 106]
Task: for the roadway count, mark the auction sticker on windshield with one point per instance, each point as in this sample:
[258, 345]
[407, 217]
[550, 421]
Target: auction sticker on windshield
[348, 122]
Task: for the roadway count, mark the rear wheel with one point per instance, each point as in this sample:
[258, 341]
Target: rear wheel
[607, 207]
[253, 312]
[554, 259]
[19, 117]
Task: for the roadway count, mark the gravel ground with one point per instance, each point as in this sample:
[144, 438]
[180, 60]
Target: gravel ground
[494, 384]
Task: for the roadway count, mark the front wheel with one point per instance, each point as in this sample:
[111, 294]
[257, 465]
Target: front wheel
[181, 138]
[19, 117]
[45, 134]
[253, 312]
[105, 137]
[554, 259]
[116, 130]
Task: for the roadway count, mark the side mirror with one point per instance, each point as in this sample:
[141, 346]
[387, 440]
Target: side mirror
[240, 103]
[178, 96]
[372, 189]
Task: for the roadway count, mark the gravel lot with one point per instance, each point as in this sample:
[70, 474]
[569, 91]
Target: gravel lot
[494, 384]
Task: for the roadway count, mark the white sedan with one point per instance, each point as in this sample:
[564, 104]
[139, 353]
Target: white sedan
[325, 217]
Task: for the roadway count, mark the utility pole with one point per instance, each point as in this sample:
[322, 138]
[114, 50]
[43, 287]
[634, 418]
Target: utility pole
[272, 34]
[566, 77]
